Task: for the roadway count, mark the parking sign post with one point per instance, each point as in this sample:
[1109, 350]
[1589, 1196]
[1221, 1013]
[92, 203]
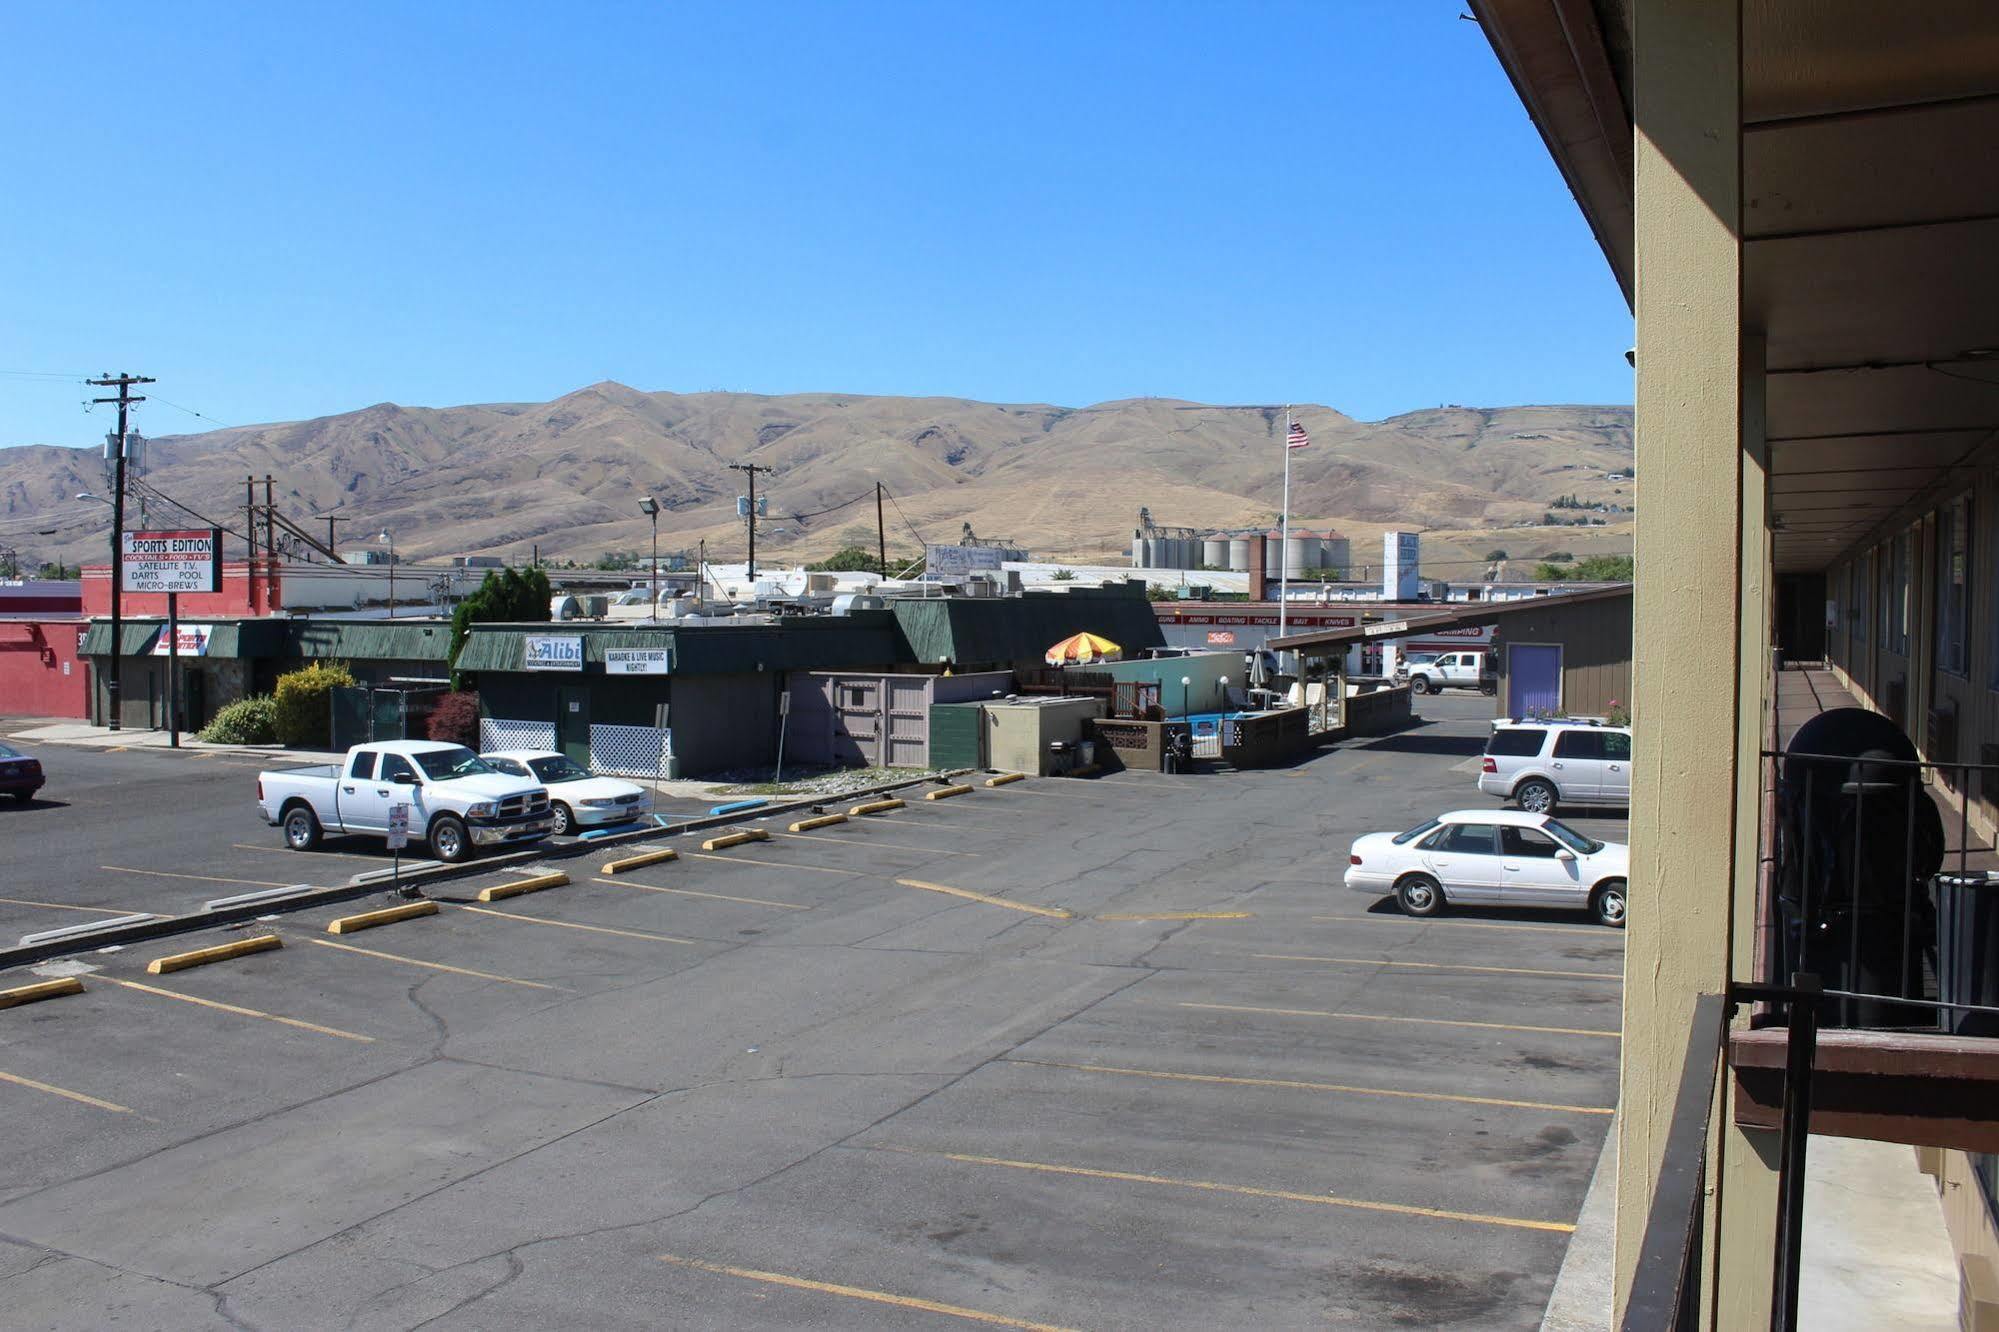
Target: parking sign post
[399, 836]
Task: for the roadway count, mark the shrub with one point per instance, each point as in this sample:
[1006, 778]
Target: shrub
[247, 721]
[303, 704]
[455, 718]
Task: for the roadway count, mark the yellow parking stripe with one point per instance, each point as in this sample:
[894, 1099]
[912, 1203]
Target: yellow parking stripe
[1424, 1022]
[860, 1293]
[240, 1011]
[572, 925]
[433, 966]
[1248, 1191]
[1054, 913]
[691, 892]
[1318, 1086]
[198, 878]
[869, 841]
[1594, 931]
[1176, 915]
[64, 906]
[65, 1093]
[1439, 966]
[775, 864]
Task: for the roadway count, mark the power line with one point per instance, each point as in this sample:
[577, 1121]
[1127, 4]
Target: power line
[191, 412]
[920, 539]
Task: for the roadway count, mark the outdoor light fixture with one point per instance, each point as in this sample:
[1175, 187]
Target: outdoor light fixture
[390, 542]
[650, 508]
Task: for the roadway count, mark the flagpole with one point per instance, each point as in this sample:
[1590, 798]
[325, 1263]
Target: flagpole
[1284, 527]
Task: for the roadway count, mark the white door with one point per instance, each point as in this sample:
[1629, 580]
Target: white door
[1535, 872]
[1465, 859]
[1577, 764]
[1616, 768]
[364, 802]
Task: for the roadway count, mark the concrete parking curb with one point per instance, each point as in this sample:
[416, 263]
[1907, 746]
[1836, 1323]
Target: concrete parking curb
[368, 920]
[1006, 777]
[499, 892]
[876, 807]
[34, 994]
[201, 957]
[946, 792]
[728, 840]
[644, 858]
[376, 881]
[823, 821]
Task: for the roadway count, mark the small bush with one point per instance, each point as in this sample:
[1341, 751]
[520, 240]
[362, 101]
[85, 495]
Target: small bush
[303, 702]
[456, 719]
[248, 721]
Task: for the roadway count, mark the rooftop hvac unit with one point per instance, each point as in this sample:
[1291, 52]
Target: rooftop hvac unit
[849, 602]
[984, 585]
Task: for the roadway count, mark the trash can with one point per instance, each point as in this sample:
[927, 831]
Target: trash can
[1968, 950]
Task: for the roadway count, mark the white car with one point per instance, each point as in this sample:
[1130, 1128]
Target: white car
[1492, 857]
[1540, 765]
[578, 799]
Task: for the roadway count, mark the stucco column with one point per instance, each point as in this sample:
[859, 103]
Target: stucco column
[1687, 632]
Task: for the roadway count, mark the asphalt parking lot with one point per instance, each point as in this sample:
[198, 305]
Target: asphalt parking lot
[117, 832]
[1108, 1054]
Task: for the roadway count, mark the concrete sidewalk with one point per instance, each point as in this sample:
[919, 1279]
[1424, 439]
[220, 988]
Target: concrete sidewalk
[103, 737]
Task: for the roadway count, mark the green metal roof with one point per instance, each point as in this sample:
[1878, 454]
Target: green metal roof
[369, 640]
[866, 639]
[227, 638]
[972, 630]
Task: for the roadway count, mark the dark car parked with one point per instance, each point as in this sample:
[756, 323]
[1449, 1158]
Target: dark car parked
[20, 776]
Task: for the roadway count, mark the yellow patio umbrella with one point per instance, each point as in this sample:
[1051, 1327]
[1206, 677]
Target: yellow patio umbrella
[1081, 649]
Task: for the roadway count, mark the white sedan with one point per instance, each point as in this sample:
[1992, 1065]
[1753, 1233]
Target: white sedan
[577, 799]
[1492, 857]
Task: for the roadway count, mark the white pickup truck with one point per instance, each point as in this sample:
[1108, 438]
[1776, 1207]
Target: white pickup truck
[457, 801]
[1455, 670]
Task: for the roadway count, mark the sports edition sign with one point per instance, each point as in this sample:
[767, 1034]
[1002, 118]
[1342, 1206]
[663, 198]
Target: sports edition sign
[189, 561]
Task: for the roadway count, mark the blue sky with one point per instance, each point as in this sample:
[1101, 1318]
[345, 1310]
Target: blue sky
[288, 210]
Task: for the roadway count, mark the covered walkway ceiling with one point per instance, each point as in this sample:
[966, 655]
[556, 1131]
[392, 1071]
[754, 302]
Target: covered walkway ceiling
[1870, 225]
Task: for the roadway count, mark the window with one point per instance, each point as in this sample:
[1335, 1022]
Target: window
[1899, 608]
[395, 766]
[512, 767]
[1616, 745]
[1516, 742]
[441, 765]
[1953, 583]
[1579, 745]
[1526, 842]
[1863, 581]
[362, 765]
[1465, 839]
[1402, 839]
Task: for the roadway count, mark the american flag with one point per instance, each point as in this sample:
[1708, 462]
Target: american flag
[1297, 439]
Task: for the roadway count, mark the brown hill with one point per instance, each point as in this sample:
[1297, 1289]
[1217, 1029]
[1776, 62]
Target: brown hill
[1064, 482]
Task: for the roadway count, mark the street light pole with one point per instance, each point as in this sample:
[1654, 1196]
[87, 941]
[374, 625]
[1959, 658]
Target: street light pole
[390, 541]
[123, 383]
[650, 507]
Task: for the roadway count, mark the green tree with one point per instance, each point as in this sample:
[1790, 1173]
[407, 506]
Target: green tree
[509, 596]
[620, 559]
[1605, 568]
[847, 559]
[1496, 555]
[59, 572]
[10, 564]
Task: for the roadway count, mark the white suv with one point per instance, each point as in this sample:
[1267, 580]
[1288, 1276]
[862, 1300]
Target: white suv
[1542, 764]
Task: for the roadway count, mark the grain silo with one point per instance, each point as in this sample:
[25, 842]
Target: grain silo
[1138, 550]
[1301, 553]
[1215, 552]
[1239, 554]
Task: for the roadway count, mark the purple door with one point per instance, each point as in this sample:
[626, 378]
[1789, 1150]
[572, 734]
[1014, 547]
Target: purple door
[1533, 679]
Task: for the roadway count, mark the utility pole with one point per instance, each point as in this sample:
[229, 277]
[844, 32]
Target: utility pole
[250, 535]
[123, 383]
[751, 469]
[331, 544]
[881, 533]
[270, 522]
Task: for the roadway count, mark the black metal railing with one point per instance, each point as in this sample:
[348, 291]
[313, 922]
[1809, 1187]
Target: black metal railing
[1869, 890]
[1667, 1284]
[1665, 1288]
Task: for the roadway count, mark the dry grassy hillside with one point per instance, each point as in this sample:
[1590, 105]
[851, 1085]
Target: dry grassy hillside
[1064, 482]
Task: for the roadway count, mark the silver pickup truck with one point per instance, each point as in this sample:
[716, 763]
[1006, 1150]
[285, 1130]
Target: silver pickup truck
[457, 802]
